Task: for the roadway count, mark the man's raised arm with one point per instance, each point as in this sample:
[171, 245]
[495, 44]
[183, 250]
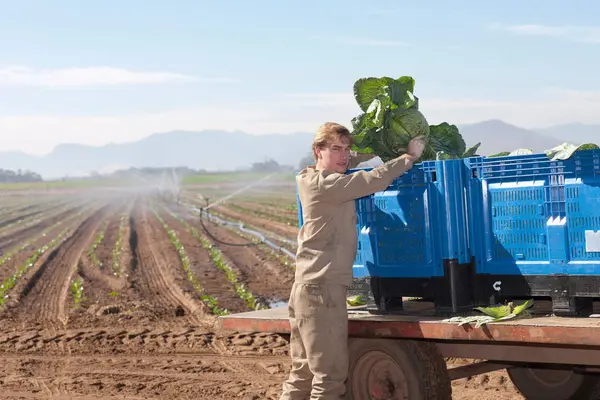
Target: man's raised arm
[339, 188]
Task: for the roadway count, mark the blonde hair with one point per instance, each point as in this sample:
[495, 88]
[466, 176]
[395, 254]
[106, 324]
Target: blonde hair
[329, 132]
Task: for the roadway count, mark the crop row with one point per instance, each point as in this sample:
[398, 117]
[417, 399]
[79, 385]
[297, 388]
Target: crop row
[26, 210]
[77, 291]
[36, 219]
[217, 258]
[9, 210]
[92, 250]
[11, 281]
[116, 267]
[211, 302]
[8, 255]
[6, 208]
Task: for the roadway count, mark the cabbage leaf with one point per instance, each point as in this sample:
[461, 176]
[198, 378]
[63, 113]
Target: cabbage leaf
[501, 312]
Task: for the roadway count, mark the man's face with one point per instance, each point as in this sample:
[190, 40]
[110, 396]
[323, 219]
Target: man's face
[335, 156]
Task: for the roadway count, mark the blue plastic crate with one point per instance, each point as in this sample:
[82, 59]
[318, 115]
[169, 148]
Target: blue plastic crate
[409, 229]
[529, 215]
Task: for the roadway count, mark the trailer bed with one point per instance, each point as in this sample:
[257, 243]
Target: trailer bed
[546, 357]
[531, 330]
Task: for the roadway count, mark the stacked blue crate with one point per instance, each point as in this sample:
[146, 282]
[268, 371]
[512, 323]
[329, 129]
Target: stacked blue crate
[535, 225]
[413, 239]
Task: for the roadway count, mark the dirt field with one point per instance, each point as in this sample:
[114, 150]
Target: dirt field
[122, 305]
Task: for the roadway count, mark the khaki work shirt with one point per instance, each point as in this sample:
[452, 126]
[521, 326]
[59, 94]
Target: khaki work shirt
[327, 241]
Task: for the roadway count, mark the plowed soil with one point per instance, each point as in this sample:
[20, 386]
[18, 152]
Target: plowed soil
[145, 332]
[31, 236]
[213, 280]
[264, 275]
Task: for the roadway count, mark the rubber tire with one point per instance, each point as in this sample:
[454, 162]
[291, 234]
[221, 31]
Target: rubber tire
[421, 363]
[529, 382]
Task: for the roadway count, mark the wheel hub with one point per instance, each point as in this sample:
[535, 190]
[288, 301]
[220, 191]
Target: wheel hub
[377, 376]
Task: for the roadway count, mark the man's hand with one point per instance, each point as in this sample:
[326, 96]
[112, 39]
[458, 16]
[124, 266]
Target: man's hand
[416, 147]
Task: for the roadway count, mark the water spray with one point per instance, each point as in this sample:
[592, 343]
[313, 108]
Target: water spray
[245, 188]
[203, 211]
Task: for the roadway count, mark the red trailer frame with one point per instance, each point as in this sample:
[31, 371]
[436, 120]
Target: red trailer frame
[547, 358]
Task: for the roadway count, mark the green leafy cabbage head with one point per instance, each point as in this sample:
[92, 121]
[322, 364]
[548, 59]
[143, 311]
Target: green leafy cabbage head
[390, 116]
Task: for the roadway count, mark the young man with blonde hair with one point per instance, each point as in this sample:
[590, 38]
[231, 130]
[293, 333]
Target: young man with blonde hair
[327, 245]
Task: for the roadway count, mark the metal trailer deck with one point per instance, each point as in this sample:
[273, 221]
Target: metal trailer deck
[402, 356]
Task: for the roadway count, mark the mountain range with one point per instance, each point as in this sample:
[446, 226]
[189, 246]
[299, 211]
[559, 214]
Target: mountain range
[222, 150]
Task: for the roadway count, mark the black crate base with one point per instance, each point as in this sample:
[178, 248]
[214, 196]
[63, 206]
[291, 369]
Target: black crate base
[452, 293]
[570, 296]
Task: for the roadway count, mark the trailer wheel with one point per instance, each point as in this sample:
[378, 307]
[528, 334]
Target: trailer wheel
[553, 384]
[384, 369]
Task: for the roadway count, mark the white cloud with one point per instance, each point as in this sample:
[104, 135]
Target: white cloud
[290, 113]
[90, 76]
[582, 34]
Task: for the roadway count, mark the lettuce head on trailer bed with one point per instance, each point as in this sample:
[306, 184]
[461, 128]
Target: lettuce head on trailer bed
[498, 313]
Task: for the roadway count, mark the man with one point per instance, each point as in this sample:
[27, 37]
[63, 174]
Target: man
[327, 246]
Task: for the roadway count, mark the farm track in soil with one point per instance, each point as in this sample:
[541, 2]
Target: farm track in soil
[157, 275]
[104, 276]
[107, 289]
[169, 363]
[138, 344]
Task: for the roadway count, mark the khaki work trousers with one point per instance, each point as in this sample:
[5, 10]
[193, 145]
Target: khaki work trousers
[318, 343]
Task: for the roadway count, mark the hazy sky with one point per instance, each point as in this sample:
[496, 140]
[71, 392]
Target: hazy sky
[114, 71]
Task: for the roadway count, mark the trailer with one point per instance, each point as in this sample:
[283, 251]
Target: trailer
[481, 231]
[403, 356]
